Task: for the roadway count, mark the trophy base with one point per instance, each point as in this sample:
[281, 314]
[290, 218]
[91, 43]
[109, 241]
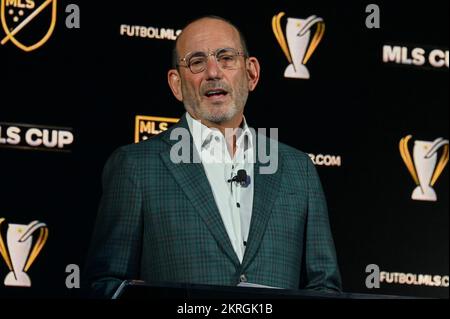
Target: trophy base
[427, 194]
[19, 279]
[300, 72]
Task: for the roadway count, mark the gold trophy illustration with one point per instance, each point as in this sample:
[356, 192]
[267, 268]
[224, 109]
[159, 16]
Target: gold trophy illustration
[299, 48]
[423, 167]
[19, 254]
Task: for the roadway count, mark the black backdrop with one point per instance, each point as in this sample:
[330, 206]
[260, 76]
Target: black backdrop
[94, 81]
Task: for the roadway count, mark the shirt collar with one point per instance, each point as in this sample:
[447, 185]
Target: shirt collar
[202, 135]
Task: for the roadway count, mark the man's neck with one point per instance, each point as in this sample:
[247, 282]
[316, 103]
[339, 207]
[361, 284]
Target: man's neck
[232, 124]
[228, 126]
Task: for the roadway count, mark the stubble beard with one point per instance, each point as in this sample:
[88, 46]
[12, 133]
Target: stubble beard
[216, 113]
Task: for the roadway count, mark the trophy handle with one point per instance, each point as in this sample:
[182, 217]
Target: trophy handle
[4, 251]
[309, 22]
[406, 156]
[442, 162]
[276, 27]
[32, 227]
[437, 143]
[318, 35]
[43, 235]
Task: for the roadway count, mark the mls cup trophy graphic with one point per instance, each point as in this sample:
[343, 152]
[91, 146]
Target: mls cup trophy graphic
[17, 253]
[424, 170]
[299, 48]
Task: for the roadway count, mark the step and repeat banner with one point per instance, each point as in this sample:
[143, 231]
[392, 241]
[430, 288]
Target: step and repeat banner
[362, 87]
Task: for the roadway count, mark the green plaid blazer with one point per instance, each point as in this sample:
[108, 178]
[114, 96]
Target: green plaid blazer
[158, 222]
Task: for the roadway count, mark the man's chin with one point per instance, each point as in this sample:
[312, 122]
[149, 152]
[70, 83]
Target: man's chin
[218, 113]
[218, 118]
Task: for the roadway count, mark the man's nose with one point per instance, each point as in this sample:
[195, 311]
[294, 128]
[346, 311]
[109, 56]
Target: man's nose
[213, 70]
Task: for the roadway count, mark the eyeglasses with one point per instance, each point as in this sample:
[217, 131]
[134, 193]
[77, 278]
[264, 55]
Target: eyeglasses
[227, 58]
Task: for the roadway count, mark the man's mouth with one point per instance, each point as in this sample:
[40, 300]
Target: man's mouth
[215, 93]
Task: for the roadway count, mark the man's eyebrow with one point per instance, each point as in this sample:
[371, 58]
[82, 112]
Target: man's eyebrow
[197, 53]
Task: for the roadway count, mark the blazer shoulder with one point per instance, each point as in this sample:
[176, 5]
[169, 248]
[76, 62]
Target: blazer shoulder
[291, 154]
[144, 149]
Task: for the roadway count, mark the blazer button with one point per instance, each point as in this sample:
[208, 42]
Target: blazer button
[243, 278]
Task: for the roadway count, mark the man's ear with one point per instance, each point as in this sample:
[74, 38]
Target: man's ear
[174, 79]
[253, 70]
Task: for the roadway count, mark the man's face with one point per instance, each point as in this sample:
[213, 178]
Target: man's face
[215, 94]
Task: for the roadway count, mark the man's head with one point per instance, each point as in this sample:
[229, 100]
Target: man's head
[217, 91]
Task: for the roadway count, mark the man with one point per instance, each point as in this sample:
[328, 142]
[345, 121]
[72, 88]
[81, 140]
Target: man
[161, 220]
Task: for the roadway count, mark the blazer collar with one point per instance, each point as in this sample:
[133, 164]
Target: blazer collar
[192, 180]
[266, 190]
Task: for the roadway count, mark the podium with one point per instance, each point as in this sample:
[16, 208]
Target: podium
[179, 300]
[133, 289]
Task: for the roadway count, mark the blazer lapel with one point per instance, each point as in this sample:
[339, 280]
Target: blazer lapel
[265, 192]
[193, 181]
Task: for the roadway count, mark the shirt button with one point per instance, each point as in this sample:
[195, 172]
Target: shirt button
[217, 138]
[243, 278]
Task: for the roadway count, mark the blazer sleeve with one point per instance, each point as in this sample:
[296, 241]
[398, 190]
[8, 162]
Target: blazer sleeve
[116, 243]
[320, 266]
